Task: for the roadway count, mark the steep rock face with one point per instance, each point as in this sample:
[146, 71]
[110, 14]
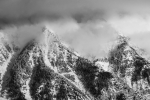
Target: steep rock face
[19, 71]
[45, 69]
[83, 73]
[46, 84]
[86, 75]
[128, 65]
[32, 76]
[5, 56]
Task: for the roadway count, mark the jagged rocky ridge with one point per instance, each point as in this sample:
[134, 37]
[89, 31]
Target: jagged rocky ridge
[48, 71]
[45, 69]
[130, 66]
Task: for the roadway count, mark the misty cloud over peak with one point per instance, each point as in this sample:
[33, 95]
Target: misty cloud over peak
[87, 25]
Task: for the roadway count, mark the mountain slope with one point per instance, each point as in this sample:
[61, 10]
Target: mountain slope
[20, 80]
[127, 64]
[45, 69]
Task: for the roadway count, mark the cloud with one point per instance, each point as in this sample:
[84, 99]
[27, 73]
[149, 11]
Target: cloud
[131, 24]
[88, 39]
[32, 11]
[21, 35]
[142, 41]
[86, 25]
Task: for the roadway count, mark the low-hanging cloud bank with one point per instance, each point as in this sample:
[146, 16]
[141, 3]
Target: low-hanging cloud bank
[89, 39]
[88, 26]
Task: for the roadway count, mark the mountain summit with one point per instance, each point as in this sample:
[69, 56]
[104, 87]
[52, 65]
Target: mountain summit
[45, 69]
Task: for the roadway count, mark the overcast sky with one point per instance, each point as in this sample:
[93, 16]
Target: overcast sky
[88, 26]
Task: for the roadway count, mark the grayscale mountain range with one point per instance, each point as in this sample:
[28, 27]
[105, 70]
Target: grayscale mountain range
[45, 69]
